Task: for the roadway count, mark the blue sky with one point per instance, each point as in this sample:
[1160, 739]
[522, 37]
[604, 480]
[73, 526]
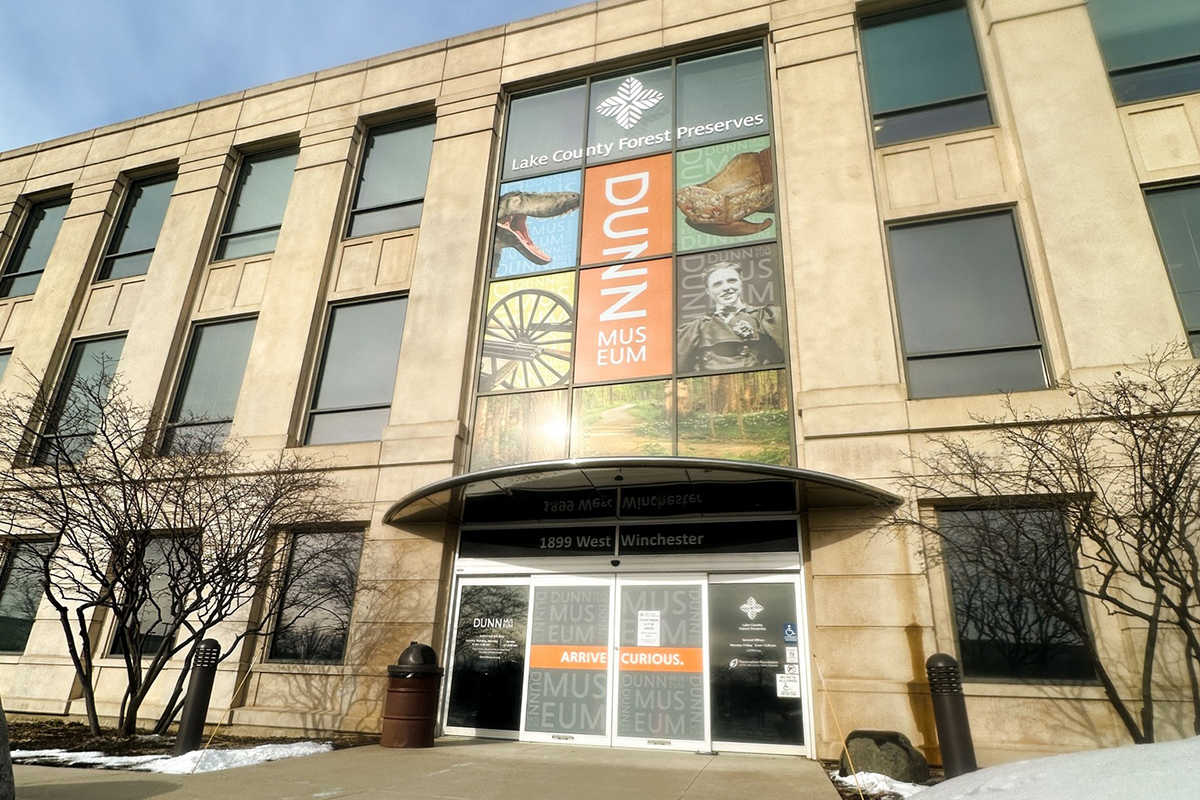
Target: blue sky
[72, 65]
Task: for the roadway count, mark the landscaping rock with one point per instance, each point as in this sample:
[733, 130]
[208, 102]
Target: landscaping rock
[885, 752]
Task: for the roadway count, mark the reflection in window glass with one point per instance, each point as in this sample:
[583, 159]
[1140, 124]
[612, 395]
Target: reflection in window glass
[1006, 568]
[923, 74]
[4, 358]
[353, 397]
[722, 97]
[212, 378]
[541, 125]
[166, 571]
[137, 232]
[80, 401]
[21, 585]
[520, 428]
[742, 416]
[256, 213]
[392, 182]
[32, 251]
[1176, 217]
[1151, 47]
[963, 299]
[318, 597]
[624, 419]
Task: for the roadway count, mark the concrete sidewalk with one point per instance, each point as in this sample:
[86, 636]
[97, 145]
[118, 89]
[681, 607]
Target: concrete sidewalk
[462, 769]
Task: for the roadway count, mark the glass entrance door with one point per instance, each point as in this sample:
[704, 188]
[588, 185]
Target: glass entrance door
[660, 666]
[757, 674]
[689, 662]
[567, 677]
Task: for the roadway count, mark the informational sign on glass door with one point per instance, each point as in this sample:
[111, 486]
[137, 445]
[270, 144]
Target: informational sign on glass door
[567, 693]
[755, 663]
[489, 657]
[660, 662]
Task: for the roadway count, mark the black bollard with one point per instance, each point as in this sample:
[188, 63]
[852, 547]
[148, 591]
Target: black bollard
[195, 705]
[950, 715]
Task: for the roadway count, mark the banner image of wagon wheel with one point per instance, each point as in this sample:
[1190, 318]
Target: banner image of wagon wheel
[527, 341]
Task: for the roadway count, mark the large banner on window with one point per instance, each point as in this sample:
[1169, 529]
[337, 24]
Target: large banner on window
[627, 210]
[624, 321]
[725, 195]
[537, 225]
[728, 306]
[527, 333]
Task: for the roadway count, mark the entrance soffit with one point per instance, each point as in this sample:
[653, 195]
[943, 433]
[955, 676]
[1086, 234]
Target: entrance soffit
[443, 501]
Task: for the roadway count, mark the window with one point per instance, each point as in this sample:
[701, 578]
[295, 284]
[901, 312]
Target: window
[358, 372]
[923, 73]
[137, 230]
[32, 251]
[4, 358]
[1012, 582]
[256, 212]
[1151, 47]
[392, 182]
[79, 404]
[317, 597]
[208, 393]
[21, 585]
[966, 319]
[162, 576]
[1176, 217]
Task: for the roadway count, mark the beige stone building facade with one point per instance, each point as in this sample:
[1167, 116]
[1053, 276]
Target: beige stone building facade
[918, 205]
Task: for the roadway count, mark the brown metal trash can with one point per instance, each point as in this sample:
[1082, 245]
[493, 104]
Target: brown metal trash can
[410, 710]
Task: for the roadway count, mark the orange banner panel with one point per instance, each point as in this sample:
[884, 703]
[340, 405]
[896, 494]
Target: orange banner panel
[628, 210]
[568, 656]
[661, 659]
[624, 322]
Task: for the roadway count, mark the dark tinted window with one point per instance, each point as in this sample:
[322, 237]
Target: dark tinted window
[353, 396]
[1176, 216]
[1151, 47]
[721, 97]
[4, 358]
[211, 381]
[256, 213]
[79, 404]
[21, 585]
[392, 182]
[318, 596]
[923, 74]
[32, 250]
[966, 319]
[1016, 609]
[137, 231]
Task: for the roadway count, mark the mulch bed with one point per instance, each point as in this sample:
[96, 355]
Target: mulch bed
[55, 733]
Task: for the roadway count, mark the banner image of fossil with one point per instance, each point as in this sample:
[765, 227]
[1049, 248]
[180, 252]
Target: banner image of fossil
[719, 206]
[537, 224]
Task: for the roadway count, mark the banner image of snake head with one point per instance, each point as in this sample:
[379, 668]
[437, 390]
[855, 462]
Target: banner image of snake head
[528, 333]
[725, 194]
[537, 225]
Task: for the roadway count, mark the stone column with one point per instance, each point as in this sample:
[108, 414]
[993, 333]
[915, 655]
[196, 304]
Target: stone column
[1103, 258]
[437, 362]
[293, 296]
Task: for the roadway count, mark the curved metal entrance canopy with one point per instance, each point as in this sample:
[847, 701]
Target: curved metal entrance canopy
[556, 491]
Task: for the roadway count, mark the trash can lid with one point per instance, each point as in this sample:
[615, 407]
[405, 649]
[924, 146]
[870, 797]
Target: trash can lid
[417, 658]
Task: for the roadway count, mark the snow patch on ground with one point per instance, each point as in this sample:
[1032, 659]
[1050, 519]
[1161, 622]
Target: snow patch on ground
[873, 784]
[1165, 771]
[195, 761]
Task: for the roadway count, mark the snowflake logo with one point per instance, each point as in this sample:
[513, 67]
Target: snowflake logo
[751, 608]
[627, 105]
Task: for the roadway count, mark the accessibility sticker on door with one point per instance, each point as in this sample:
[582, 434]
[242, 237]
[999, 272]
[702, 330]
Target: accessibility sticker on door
[787, 685]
